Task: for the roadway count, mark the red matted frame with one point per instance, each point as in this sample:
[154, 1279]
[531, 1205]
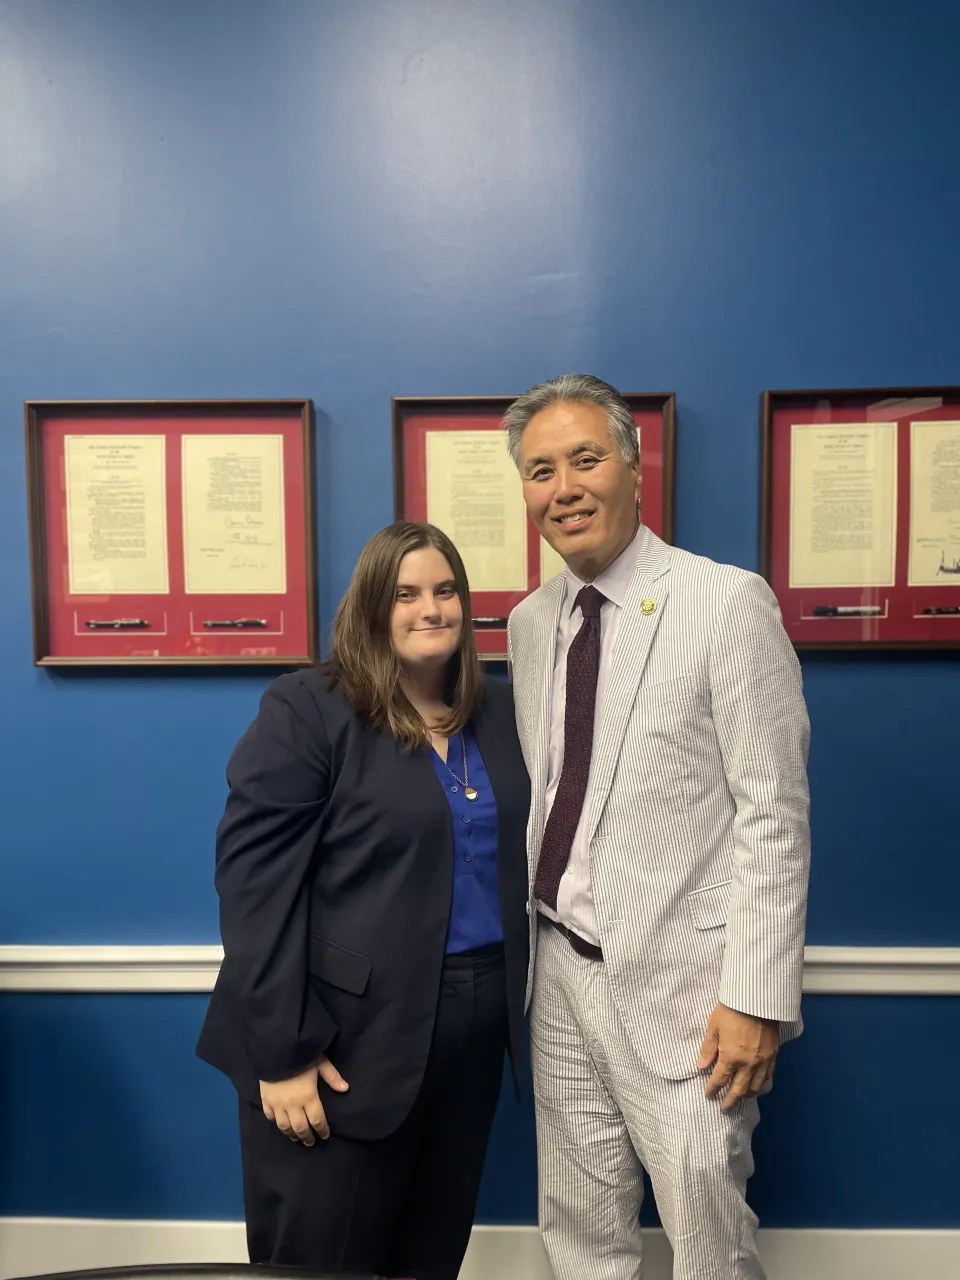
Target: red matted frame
[899, 616]
[168, 629]
[413, 417]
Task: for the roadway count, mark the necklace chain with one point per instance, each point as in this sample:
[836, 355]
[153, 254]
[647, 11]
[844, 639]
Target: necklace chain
[465, 780]
[468, 791]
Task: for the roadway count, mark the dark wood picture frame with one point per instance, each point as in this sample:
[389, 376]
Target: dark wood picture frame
[909, 616]
[297, 418]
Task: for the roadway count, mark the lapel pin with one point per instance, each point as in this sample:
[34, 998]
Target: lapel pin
[648, 605]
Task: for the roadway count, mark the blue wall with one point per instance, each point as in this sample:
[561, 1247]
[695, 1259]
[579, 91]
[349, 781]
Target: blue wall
[353, 200]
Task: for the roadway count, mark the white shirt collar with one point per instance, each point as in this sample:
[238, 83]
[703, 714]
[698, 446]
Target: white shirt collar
[613, 582]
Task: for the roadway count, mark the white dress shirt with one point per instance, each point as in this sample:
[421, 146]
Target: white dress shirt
[575, 906]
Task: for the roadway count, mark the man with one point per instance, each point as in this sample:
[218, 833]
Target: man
[661, 717]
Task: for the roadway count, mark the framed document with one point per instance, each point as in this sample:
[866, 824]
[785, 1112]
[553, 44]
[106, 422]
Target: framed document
[452, 468]
[172, 532]
[860, 525]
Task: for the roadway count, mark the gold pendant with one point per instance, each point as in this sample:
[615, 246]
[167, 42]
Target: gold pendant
[471, 793]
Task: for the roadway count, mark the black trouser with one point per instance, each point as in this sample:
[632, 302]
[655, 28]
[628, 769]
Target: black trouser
[402, 1206]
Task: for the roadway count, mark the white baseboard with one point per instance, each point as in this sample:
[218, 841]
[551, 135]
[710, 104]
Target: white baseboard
[34, 1246]
[826, 971]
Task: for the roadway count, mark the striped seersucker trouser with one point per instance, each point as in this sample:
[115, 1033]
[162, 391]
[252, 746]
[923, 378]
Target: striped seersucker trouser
[601, 1115]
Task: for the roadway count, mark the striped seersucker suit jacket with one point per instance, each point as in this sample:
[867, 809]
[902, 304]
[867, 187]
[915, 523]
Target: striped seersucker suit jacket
[697, 808]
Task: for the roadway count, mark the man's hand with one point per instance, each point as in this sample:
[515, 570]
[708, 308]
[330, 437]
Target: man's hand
[742, 1051]
[294, 1106]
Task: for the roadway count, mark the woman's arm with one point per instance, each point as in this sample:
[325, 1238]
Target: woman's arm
[279, 777]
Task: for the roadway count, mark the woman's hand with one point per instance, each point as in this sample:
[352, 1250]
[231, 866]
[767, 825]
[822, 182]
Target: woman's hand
[294, 1105]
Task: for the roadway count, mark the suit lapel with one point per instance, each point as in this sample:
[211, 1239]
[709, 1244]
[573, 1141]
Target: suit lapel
[496, 762]
[540, 691]
[495, 732]
[630, 652]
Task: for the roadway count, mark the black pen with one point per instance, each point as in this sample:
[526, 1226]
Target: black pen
[115, 624]
[489, 622]
[941, 609]
[846, 610]
[235, 622]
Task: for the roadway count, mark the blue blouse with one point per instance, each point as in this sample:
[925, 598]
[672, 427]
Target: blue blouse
[475, 910]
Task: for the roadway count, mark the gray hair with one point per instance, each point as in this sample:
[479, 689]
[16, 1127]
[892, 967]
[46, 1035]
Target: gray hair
[576, 388]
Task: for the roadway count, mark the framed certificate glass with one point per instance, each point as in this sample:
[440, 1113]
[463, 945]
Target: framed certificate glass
[861, 516]
[172, 532]
[452, 468]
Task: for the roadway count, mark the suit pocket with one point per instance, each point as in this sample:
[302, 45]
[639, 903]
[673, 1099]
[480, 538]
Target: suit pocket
[708, 907]
[345, 969]
[672, 686]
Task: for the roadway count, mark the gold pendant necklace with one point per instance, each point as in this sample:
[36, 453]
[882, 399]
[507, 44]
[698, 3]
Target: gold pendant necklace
[470, 792]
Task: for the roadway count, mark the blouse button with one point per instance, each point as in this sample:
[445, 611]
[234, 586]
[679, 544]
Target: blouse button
[466, 857]
[465, 818]
[454, 790]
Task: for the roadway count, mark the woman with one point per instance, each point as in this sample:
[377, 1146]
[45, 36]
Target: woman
[372, 877]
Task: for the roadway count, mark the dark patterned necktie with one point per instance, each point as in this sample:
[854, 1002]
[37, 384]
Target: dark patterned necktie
[583, 667]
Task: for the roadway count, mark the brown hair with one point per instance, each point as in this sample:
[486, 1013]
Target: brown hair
[364, 663]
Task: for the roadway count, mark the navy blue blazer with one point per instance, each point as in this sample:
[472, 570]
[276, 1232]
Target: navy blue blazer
[334, 869]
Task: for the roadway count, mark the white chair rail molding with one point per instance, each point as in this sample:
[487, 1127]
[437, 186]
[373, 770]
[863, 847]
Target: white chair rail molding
[827, 970]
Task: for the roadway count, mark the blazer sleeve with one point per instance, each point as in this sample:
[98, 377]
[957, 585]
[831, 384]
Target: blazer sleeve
[279, 777]
[764, 733]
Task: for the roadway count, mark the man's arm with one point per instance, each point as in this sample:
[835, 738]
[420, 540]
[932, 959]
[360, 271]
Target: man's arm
[763, 732]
